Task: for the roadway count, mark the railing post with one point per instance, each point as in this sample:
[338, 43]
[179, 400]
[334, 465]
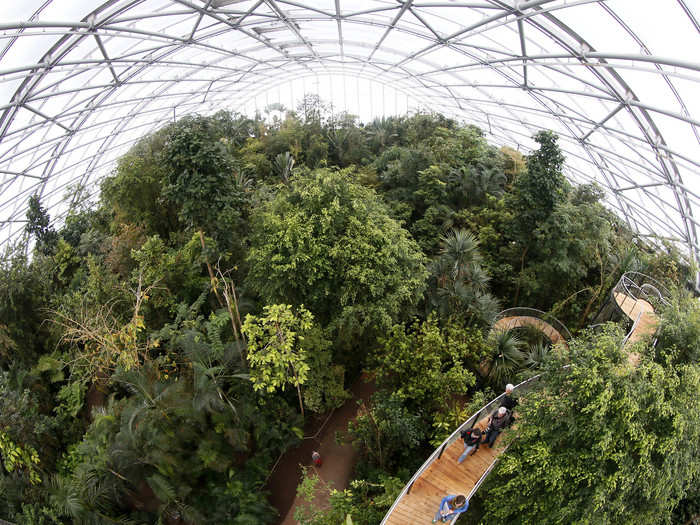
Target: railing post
[442, 449]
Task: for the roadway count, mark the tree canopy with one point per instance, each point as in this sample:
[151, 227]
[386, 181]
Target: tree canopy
[330, 244]
[164, 349]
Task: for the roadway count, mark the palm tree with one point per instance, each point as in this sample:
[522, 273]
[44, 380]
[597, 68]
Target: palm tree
[381, 132]
[506, 357]
[536, 355]
[487, 180]
[283, 165]
[460, 283]
[486, 307]
[460, 252]
[474, 183]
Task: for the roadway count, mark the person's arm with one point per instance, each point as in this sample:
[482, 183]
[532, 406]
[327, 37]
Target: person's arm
[446, 499]
[458, 511]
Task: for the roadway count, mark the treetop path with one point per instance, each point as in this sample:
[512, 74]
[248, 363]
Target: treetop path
[552, 329]
[441, 475]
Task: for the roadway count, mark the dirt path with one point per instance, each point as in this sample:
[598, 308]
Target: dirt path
[338, 460]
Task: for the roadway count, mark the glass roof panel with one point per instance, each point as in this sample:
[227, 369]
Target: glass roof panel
[593, 14]
[20, 10]
[66, 10]
[28, 49]
[594, 72]
[682, 44]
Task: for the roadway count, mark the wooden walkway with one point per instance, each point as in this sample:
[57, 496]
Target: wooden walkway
[444, 476]
[645, 327]
[507, 323]
[634, 307]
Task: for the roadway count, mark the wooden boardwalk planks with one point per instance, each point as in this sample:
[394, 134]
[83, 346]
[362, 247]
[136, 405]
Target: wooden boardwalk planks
[506, 323]
[445, 476]
[633, 307]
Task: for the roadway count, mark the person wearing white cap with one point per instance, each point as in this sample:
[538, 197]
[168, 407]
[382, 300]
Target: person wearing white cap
[508, 400]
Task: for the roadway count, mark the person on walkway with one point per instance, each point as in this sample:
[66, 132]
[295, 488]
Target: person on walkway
[508, 400]
[472, 440]
[450, 507]
[498, 422]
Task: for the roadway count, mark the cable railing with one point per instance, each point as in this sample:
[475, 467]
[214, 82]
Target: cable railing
[521, 311]
[484, 411]
[635, 286]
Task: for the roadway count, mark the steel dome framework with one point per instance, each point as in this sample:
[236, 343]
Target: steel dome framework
[616, 79]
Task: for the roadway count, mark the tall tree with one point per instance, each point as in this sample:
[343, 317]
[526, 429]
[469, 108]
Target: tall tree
[286, 347]
[330, 244]
[538, 191]
[200, 181]
[542, 186]
[38, 225]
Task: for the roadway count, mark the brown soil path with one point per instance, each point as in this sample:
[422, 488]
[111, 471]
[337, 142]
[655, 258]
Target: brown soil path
[338, 460]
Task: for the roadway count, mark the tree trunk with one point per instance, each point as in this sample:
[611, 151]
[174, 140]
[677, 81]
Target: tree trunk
[301, 405]
[596, 294]
[522, 265]
[211, 272]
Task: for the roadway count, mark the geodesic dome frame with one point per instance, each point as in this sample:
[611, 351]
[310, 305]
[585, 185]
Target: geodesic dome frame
[614, 79]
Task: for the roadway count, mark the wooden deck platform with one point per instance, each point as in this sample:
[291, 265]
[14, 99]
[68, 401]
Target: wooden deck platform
[633, 307]
[507, 323]
[648, 322]
[445, 476]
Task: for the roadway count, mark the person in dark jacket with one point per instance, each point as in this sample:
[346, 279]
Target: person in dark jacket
[472, 440]
[498, 422]
[508, 400]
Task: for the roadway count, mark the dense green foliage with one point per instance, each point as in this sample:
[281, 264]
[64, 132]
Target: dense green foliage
[330, 244]
[160, 351]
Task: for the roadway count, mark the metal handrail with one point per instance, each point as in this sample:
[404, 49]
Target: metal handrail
[634, 326]
[469, 423]
[635, 284]
[477, 485]
[656, 291]
[521, 311]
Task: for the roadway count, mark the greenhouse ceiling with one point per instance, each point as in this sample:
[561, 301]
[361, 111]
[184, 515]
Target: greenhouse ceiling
[617, 80]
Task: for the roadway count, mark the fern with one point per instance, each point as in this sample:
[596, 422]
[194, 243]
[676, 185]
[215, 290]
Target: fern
[162, 488]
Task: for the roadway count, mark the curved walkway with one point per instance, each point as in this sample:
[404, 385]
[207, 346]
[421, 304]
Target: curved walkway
[641, 312]
[441, 474]
[508, 323]
[518, 317]
[444, 476]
